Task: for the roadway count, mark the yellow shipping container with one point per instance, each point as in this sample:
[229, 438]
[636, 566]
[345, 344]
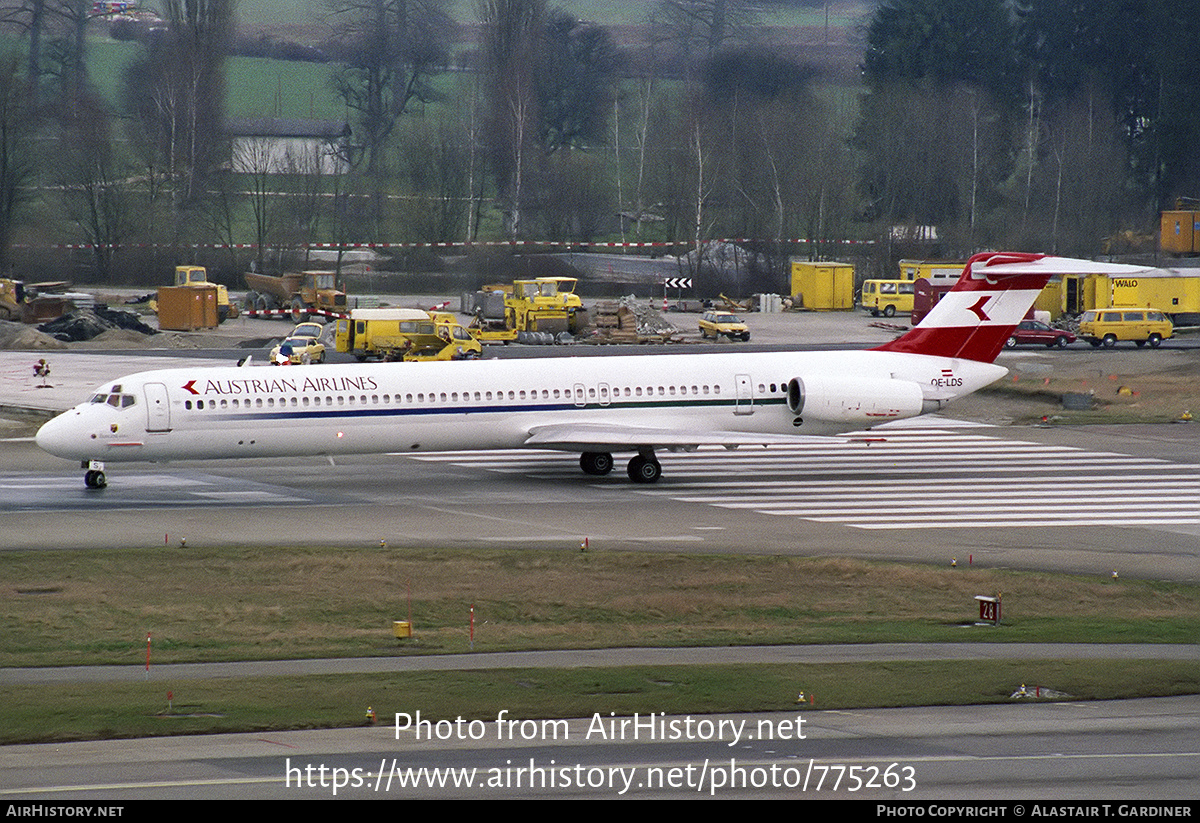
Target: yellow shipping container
[824, 286]
[1050, 300]
[187, 308]
[1176, 293]
[937, 272]
[1181, 232]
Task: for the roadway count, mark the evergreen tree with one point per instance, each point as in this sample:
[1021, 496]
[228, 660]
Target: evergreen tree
[946, 42]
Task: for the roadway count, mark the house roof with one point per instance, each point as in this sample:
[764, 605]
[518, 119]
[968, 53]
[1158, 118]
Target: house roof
[285, 127]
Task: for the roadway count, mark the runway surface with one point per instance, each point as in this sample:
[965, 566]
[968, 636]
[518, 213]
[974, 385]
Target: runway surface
[1091, 753]
[914, 477]
[1089, 500]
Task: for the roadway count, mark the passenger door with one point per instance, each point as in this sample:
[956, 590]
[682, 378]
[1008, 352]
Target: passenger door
[158, 408]
[744, 401]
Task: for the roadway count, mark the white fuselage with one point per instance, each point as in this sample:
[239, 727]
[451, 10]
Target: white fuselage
[619, 403]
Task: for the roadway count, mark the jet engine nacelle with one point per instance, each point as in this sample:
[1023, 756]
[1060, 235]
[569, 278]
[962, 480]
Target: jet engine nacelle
[854, 399]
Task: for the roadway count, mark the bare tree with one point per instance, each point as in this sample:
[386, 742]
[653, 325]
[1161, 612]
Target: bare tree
[254, 159]
[67, 51]
[308, 170]
[512, 31]
[693, 30]
[28, 16]
[176, 93]
[436, 163]
[389, 51]
[1076, 186]
[17, 165]
[95, 186]
[575, 196]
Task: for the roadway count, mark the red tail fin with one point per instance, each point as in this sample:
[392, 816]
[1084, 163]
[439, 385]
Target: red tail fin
[973, 319]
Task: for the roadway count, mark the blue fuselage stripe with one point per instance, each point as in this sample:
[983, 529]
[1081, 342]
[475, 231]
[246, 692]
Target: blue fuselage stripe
[421, 411]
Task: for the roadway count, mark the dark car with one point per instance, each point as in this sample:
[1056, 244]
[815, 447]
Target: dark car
[1035, 331]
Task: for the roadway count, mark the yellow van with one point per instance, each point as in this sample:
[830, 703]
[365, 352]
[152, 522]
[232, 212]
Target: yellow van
[1142, 326]
[887, 297]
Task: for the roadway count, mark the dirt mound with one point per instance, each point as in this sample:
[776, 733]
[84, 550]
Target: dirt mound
[20, 337]
[121, 339]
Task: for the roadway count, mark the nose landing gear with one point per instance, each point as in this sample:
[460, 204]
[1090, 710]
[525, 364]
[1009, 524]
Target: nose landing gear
[94, 477]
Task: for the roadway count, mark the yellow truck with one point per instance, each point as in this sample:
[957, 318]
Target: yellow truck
[544, 307]
[13, 299]
[404, 334]
[295, 295]
[35, 302]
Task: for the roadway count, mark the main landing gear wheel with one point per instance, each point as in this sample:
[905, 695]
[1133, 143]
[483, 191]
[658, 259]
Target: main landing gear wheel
[597, 463]
[644, 470]
[94, 479]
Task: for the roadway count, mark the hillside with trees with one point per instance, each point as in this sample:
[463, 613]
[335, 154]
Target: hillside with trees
[1048, 125]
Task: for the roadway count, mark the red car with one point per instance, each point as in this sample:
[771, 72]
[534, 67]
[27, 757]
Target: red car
[1035, 331]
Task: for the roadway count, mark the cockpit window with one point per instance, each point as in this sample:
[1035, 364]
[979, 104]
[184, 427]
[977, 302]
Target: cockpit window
[117, 400]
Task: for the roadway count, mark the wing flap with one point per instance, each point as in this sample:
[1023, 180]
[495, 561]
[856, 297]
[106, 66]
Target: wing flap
[583, 437]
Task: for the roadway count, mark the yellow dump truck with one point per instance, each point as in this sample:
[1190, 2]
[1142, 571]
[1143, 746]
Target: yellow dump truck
[295, 295]
[404, 334]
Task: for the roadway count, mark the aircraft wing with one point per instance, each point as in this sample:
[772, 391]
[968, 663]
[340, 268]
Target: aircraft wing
[585, 437]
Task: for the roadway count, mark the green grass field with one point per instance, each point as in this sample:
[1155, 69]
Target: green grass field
[200, 605]
[277, 88]
[141, 708]
[265, 13]
[255, 87]
[96, 607]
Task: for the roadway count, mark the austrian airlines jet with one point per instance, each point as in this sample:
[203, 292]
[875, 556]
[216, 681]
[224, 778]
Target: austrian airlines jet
[593, 405]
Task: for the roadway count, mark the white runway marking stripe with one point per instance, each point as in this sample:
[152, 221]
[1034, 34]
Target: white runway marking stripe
[871, 503]
[927, 479]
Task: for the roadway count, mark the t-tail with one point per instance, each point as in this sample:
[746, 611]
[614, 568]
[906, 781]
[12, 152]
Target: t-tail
[974, 319]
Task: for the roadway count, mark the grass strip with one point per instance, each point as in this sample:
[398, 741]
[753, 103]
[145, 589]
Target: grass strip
[204, 605]
[83, 712]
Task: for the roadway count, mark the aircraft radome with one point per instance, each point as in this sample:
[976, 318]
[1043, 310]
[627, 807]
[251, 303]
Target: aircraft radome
[591, 405]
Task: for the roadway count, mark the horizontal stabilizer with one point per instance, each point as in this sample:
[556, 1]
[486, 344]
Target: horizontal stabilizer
[994, 293]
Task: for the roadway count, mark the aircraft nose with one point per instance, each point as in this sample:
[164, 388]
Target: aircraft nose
[56, 437]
